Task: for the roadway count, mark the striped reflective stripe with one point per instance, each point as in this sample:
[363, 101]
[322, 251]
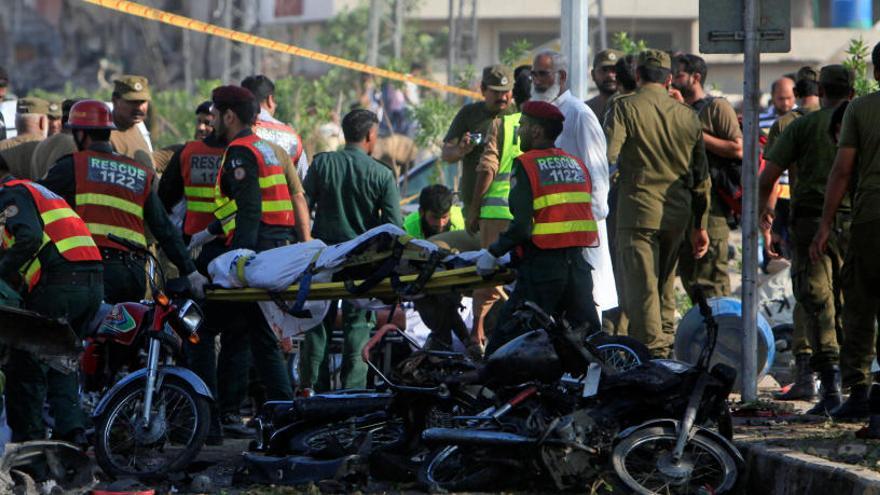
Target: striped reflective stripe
[276, 205]
[564, 227]
[502, 176]
[561, 198]
[104, 229]
[32, 273]
[57, 214]
[7, 239]
[273, 180]
[497, 201]
[228, 224]
[200, 206]
[74, 242]
[110, 201]
[199, 192]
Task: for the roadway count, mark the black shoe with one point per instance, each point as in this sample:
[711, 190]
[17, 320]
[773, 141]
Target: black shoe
[234, 427]
[855, 408]
[804, 386]
[831, 398]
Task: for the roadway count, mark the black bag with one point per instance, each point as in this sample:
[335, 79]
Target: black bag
[726, 174]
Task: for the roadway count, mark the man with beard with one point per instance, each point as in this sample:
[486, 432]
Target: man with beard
[436, 214]
[51, 149]
[54, 116]
[723, 140]
[32, 125]
[131, 101]
[782, 100]
[604, 74]
[582, 138]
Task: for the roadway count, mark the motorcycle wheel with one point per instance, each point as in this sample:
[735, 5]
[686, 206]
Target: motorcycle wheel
[643, 463]
[122, 448]
[621, 352]
[346, 438]
[452, 469]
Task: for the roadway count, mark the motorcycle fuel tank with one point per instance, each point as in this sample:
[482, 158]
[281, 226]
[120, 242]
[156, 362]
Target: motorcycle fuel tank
[530, 356]
[122, 323]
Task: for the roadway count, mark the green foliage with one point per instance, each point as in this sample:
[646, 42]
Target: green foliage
[515, 52]
[859, 52]
[621, 41]
[434, 116]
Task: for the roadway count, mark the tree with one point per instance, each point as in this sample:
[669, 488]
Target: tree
[858, 63]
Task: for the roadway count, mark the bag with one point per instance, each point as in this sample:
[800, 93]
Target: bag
[726, 174]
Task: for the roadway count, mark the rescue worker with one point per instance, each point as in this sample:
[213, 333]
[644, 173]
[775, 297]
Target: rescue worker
[49, 150]
[116, 195]
[857, 159]
[552, 224]
[32, 125]
[350, 193]
[253, 211]
[48, 249]
[131, 102]
[663, 194]
[807, 143]
[204, 122]
[604, 75]
[436, 213]
[723, 141]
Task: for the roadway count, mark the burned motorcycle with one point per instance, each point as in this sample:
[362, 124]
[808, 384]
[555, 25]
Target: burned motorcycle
[645, 422]
[155, 419]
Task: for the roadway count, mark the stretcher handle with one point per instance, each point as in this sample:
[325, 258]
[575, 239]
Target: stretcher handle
[375, 339]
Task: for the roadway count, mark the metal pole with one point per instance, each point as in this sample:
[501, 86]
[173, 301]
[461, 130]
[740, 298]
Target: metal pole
[451, 43]
[750, 202]
[398, 29]
[576, 44]
[373, 32]
[603, 29]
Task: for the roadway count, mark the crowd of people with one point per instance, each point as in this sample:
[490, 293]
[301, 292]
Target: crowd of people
[597, 205]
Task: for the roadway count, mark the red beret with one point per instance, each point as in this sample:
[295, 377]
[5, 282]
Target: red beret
[230, 95]
[542, 110]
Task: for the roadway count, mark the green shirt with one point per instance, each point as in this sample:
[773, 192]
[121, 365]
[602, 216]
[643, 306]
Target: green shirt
[412, 224]
[859, 131]
[473, 117]
[781, 123]
[718, 119]
[658, 145]
[350, 193]
[806, 142]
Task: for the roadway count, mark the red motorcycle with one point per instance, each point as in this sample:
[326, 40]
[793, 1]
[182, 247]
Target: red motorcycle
[154, 419]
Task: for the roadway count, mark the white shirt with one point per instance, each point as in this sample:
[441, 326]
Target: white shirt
[302, 165]
[582, 137]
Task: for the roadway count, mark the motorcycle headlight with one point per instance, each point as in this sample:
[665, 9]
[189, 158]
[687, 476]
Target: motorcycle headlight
[190, 316]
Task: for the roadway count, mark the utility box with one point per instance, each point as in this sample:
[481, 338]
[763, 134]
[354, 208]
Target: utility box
[722, 30]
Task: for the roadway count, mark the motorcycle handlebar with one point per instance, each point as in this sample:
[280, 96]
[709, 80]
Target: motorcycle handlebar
[380, 334]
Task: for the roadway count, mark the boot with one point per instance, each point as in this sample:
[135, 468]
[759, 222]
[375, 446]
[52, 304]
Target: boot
[856, 406]
[830, 388]
[804, 386]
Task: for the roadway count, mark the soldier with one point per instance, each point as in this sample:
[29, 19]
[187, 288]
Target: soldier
[604, 75]
[807, 143]
[131, 102]
[116, 195]
[664, 193]
[723, 140]
[49, 150]
[47, 247]
[32, 125]
[436, 213]
[858, 154]
[552, 224]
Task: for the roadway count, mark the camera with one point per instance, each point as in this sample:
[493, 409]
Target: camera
[476, 138]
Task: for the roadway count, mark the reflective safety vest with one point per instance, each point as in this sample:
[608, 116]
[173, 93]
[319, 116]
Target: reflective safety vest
[494, 204]
[199, 165]
[276, 206]
[412, 224]
[111, 191]
[563, 215]
[282, 135]
[62, 227]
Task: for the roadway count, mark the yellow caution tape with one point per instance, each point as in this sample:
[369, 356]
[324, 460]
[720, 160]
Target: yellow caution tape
[132, 8]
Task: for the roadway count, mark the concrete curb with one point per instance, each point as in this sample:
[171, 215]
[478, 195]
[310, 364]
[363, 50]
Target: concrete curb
[772, 470]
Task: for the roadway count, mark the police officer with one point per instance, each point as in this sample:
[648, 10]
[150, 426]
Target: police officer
[116, 195]
[663, 195]
[54, 114]
[48, 252]
[436, 213]
[32, 124]
[604, 75]
[253, 212]
[131, 102]
[552, 224]
[49, 150]
[807, 143]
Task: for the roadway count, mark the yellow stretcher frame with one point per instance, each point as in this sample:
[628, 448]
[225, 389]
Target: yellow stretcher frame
[459, 279]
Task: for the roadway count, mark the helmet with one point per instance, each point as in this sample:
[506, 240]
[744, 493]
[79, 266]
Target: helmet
[90, 114]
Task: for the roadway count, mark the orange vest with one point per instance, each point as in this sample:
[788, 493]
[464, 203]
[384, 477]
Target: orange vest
[61, 227]
[563, 216]
[276, 207]
[111, 191]
[199, 165]
[282, 135]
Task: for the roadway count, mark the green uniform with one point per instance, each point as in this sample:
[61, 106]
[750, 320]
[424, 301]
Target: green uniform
[124, 276]
[806, 142]
[474, 118]
[861, 268]
[350, 193]
[663, 192]
[412, 224]
[66, 290]
[717, 118]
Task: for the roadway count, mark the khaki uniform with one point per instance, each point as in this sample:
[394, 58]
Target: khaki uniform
[861, 268]
[717, 118]
[131, 143]
[17, 153]
[816, 285]
[49, 151]
[658, 144]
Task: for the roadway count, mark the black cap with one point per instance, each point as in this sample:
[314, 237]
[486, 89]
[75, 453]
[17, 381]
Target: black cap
[204, 107]
[260, 85]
